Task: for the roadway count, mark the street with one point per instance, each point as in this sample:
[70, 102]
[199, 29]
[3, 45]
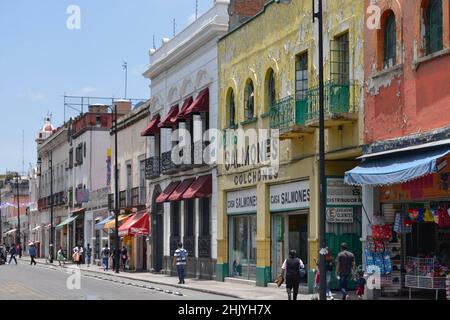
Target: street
[25, 282]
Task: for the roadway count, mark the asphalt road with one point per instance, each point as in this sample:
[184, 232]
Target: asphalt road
[25, 282]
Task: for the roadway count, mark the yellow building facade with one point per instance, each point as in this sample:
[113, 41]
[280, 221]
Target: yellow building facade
[268, 77]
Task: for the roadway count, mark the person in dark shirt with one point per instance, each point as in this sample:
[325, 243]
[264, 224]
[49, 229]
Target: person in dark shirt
[292, 267]
[345, 266]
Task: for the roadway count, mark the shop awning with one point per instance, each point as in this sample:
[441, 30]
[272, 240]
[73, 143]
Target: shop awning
[112, 224]
[397, 168]
[167, 192]
[79, 210]
[138, 224]
[170, 119]
[99, 225]
[201, 104]
[66, 222]
[201, 188]
[178, 193]
[10, 231]
[182, 114]
[152, 127]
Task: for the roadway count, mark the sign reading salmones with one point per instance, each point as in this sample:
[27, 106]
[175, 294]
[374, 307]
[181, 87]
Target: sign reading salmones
[341, 194]
[241, 202]
[290, 196]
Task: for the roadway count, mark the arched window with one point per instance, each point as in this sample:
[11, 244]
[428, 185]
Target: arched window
[231, 108]
[434, 26]
[390, 41]
[271, 95]
[249, 100]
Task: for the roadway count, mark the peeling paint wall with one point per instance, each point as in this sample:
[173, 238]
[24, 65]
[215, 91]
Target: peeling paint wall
[411, 97]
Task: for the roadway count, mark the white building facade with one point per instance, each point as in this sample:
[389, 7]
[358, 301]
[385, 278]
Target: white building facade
[183, 197]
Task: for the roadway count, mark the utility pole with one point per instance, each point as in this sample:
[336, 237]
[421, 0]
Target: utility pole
[322, 218]
[1, 222]
[18, 213]
[51, 210]
[116, 185]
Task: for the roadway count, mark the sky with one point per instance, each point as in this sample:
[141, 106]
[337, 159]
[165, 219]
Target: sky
[41, 59]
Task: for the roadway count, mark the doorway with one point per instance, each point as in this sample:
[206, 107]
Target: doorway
[243, 247]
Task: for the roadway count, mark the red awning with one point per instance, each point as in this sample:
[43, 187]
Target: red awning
[201, 104]
[138, 224]
[170, 119]
[152, 127]
[187, 103]
[167, 192]
[178, 193]
[201, 188]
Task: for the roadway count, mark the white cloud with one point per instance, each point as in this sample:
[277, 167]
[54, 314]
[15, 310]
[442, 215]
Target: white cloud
[32, 96]
[88, 89]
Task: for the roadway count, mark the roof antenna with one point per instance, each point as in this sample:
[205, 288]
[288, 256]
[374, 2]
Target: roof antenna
[125, 67]
[196, 9]
[154, 43]
[174, 27]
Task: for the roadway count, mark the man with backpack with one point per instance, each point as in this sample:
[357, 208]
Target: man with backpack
[179, 259]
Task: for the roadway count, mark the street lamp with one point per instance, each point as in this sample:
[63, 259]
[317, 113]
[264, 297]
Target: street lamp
[322, 218]
[322, 182]
[116, 188]
[51, 247]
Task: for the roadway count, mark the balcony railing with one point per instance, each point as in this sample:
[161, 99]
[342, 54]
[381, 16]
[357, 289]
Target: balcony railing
[167, 166]
[339, 101]
[152, 168]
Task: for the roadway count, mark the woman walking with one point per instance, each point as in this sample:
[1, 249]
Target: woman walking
[60, 256]
[292, 267]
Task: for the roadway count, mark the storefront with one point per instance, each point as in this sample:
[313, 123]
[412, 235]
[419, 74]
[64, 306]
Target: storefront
[409, 238]
[241, 210]
[134, 233]
[289, 207]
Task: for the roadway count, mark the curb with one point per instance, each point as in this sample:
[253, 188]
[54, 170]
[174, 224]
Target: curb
[149, 281]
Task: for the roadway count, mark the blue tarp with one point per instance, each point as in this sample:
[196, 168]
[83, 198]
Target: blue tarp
[99, 225]
[396, 168]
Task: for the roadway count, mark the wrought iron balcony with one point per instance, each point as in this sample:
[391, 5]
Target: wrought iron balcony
[297, 116]
[152, 168]
[167, 165]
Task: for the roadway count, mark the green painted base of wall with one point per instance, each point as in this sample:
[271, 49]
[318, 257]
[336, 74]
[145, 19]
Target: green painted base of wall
[222, 271]
[263, 276]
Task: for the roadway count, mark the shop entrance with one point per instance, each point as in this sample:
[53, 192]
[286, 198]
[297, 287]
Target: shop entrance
[289, 232]
[243, 247]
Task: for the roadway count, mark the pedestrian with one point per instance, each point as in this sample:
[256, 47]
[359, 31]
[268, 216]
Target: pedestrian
[360, 285]
[32, 252]
[76, 257]
[88, 254]
[114, 254]
[105, 257]
[180, 260]
[81, 251]
[329, 267]
[60, 256]
[19, 250]
[13, 252]
[293, 267]
[345, 266]
[124, 257]
[2, 254]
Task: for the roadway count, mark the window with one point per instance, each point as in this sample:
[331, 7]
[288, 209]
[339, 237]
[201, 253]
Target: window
[249, 100]
[301, 77]
[71, 158]
[206, 217]
[434, 26]
[390, 42]
[231, 109]
[79, 154]
[270, 85]
[189, 222]
[176, 219]
[340, 60]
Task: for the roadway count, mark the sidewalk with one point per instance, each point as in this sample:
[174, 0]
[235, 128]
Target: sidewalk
[234, 290]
